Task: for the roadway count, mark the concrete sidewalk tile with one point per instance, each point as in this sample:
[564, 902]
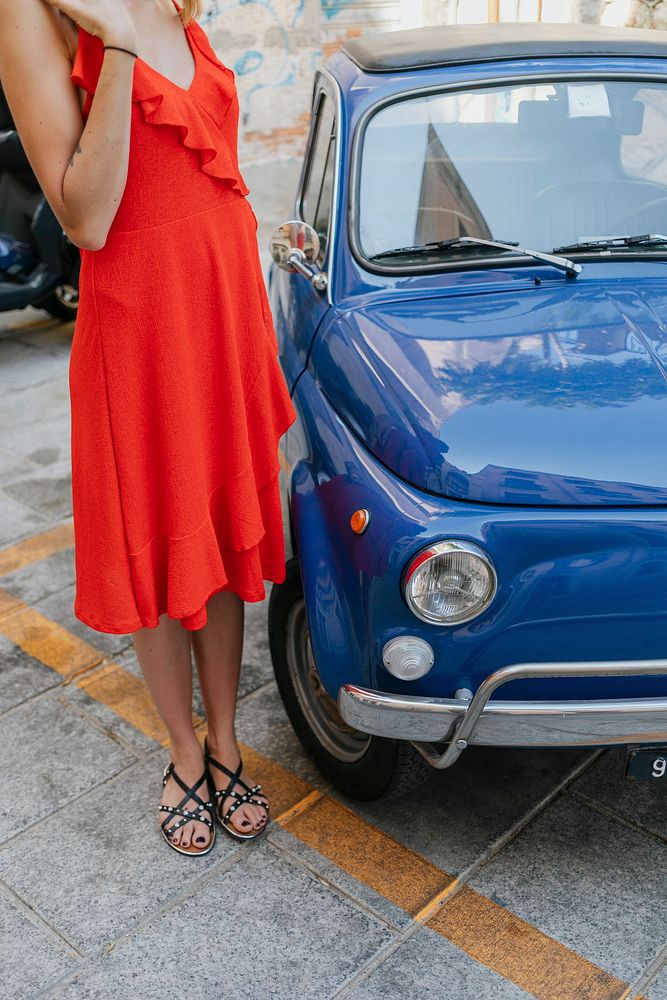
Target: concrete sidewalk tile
[113, 723]
[16, 519]
[31, 957]
[31, 551]
[13, 465]
[342, 880]
[59, 607]
[657, 990]
[427, 967]
[641, 802]
[47, 641]
[33, 582]
[42, 407]
[45, 440]
[362, 850]
[256, 669]
[520, 952]
[265, 930]
[127, 696]
[48, 491]
[23, 365]
[52, 335]
[460, 812]
[108, 864]
[262, 723]
[51, 756]
[588, 881]
[21, 676]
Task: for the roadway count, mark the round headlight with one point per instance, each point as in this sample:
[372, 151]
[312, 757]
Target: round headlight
[450, 582]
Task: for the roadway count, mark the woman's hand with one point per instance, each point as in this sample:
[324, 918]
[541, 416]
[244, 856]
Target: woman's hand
[110, 20]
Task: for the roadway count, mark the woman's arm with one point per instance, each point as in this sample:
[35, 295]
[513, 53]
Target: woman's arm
[82, 169]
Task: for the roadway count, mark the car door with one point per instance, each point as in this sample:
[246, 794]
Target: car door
[299, 308]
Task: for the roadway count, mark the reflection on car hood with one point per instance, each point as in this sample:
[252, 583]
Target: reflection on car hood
[546, 396]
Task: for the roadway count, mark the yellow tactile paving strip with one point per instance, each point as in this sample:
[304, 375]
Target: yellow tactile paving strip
[45, 640]
[489, 933]
[520, 952]
[37, 547]
[393, 870]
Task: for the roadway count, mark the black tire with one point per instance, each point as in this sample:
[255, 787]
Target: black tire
[63, 303]
[361, 766]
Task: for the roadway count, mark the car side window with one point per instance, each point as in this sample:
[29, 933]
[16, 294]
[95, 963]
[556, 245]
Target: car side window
[318, 186]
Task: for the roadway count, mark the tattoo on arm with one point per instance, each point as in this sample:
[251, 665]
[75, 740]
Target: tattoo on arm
[77, 150]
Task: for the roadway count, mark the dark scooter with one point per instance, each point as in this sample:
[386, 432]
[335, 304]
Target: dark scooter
[39, 265]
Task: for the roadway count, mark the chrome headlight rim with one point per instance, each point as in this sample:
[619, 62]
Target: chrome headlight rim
[442, 547]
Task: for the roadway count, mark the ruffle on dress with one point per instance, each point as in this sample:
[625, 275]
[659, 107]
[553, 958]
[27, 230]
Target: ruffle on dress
[164, 103]
[232, 549]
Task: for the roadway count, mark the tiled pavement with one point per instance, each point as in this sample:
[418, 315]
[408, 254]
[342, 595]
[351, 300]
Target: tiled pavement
[514, 874]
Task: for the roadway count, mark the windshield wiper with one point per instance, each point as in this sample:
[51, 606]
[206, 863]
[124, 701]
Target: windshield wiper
[466, 242]
[610, 242]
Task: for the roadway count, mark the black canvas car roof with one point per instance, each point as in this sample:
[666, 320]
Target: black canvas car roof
[446, 45]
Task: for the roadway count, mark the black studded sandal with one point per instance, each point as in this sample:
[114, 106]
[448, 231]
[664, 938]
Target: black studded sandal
[248, 796]
[193, 814]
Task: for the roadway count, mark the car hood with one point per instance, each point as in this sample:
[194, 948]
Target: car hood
[545, 396]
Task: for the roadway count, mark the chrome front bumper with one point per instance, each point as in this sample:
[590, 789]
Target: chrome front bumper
[478, 722]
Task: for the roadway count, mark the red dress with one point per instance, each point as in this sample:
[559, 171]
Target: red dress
[178, 400]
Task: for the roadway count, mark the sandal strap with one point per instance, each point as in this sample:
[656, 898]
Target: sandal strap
[221, 767]
[190, 794]
[240, 800]
[187, 818]
[235, 778]
[229, 791]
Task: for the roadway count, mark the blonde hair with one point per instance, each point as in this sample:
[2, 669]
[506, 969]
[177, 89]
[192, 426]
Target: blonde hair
[190, 9]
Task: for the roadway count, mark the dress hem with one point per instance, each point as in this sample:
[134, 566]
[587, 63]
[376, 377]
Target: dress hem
[252, 597]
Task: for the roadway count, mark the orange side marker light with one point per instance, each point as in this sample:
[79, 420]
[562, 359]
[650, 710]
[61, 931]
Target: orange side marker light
[360, 520]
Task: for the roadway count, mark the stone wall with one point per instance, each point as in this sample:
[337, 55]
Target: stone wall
[274, 47]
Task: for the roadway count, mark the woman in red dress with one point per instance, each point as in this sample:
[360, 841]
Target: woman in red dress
[178, 400]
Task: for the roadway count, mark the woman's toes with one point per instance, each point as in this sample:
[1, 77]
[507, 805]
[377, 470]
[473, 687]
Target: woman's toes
[241, 819]
[201, 835]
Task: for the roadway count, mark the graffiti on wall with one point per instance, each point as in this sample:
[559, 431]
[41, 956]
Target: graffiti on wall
[274, 48]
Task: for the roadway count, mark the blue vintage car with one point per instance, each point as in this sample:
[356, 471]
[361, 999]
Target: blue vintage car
[471, 309]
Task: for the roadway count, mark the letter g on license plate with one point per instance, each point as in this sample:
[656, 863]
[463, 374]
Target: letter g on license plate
[646, 764]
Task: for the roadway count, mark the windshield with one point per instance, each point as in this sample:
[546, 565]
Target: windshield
[545, 165]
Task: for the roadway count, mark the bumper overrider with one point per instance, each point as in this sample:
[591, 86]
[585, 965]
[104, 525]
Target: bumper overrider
[460, 722]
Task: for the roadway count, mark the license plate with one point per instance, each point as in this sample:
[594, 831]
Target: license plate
[647, 764]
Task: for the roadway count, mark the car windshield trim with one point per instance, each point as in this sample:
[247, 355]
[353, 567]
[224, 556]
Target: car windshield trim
[473, 242]
[518, 77]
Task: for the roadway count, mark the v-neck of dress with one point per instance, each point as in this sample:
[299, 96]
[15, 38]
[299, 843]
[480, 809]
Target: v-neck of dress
[193, 53]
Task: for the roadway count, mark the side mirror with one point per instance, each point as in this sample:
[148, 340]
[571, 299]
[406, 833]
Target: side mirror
[295, 246]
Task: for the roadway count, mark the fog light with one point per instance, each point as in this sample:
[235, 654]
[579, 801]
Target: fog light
[408, 657]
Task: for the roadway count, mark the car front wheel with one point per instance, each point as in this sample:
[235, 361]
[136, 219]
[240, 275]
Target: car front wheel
[359, 765]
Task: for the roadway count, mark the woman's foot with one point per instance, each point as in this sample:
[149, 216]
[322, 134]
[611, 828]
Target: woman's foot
[248, 817]
[189, 765]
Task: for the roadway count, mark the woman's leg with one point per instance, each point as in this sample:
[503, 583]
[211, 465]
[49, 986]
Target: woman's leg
[217, 648]
[165, 659]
